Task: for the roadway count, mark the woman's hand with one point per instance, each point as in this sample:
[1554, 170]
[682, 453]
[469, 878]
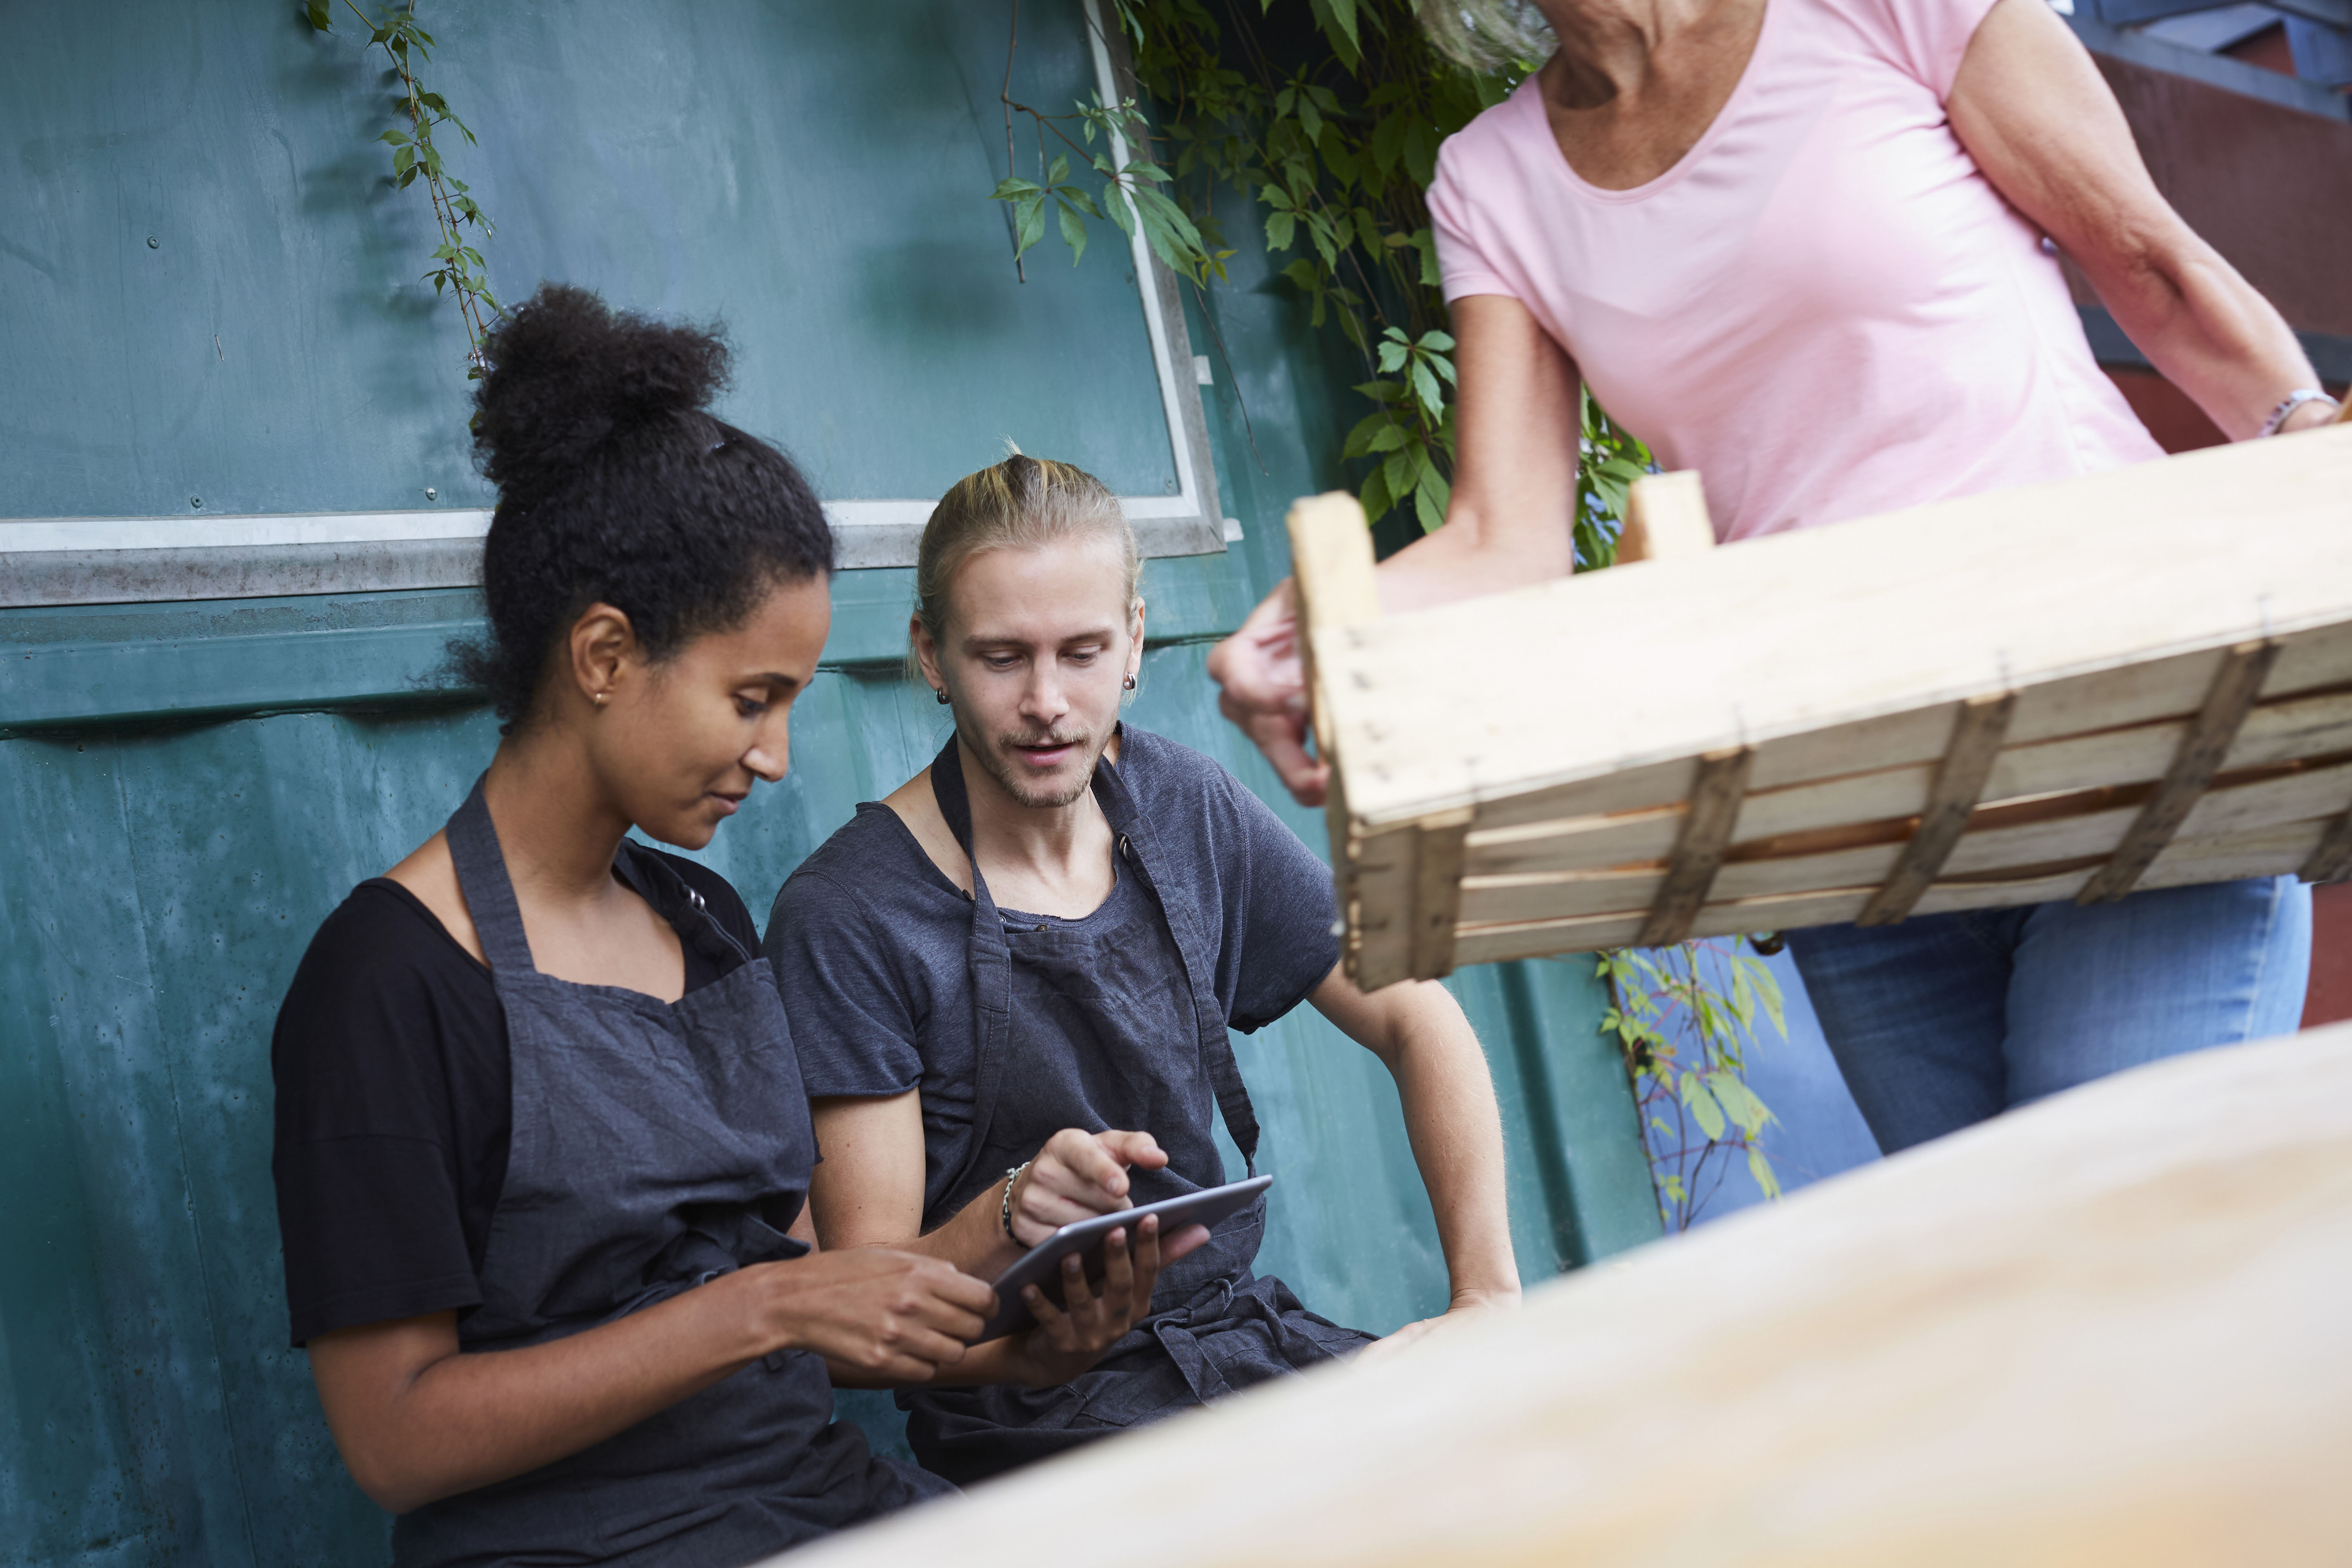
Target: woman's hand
[871, 1312]
[1071, 1338]
[1078, 1175]
[1264, 675]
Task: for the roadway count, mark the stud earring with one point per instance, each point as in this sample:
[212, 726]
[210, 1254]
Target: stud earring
[1130, 683]
[600, 697]
[942, 697]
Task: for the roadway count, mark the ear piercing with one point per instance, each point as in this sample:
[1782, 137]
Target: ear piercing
[1130, 683]
[941, 694]
[600, 697]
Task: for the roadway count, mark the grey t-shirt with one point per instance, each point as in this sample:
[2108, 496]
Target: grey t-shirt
[867, 939]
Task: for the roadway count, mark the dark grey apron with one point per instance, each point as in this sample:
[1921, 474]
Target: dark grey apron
[1112, 1021]
[656, 1145]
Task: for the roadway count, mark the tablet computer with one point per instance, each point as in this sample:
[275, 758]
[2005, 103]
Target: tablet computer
[1041, 1265]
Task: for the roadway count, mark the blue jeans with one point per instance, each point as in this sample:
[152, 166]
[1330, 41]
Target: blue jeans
[1945, 1020]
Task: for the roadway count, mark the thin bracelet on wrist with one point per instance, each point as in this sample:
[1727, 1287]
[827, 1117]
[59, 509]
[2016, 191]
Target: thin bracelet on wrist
[2288, 405]
[1011, 1176]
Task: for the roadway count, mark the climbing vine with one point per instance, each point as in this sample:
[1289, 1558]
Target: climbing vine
[1683, 1016]
[1325, 116]
[458, 267]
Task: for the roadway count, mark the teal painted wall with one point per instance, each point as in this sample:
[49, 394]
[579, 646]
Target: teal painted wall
[185, 789]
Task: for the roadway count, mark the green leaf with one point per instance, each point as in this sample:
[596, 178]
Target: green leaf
[1073, 233]
[1440, 342]
[1376, 498]
[1007, 190]
[1281, 230]
[1425, 385]
[1058, 170]
[1389, 438]
[1394, 355]
[402, 161]
[396, 137]
[1741, 1101]
[1703, 1107]
[1761, 1169]
[316, 10]
[1028, 222]
[1428, 509]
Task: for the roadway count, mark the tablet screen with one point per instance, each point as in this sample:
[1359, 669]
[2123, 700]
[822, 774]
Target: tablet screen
[1041, 1265]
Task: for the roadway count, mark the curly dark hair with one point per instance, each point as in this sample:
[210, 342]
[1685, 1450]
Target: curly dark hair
[616, 485]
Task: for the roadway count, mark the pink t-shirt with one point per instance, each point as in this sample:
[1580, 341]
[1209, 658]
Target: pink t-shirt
[1825, 308]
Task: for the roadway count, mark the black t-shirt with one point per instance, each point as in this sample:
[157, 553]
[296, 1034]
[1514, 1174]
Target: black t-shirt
[393, 1114]
[868, 939]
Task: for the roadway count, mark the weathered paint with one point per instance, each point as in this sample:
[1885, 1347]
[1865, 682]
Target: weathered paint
[185, 789]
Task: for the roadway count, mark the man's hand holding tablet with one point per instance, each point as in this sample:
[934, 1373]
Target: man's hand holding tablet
[1123, 1249]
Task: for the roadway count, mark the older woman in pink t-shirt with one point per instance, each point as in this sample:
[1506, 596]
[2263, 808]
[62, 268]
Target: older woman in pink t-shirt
[1809, 248]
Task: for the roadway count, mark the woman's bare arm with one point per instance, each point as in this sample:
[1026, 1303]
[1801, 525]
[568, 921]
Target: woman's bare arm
[2033, 112]
[417, 1419]
[1511, 522]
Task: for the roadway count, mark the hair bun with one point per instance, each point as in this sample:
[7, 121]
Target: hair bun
[568, 375]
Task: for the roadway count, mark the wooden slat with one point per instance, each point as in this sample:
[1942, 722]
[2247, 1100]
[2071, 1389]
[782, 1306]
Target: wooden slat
[1665, 518]
[2161, 690]
[1379, 873]
[2085, 838]
[2252, 852]
[1436, 892]
[2332, 860]
[1698, 852]
[1976, 734]
[2234, 689]
[2282, 731]
[1332, 573]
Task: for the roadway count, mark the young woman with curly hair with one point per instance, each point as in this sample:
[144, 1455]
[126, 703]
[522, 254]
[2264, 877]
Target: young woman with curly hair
[543, 1145]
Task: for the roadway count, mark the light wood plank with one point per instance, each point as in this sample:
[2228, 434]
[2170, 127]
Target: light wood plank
[2201, 751]
[1977, 735]
[1698, 850]
[1665, 518]
[2103, 1329]
[1437, 891]
[2090, 836]
[2287, 730]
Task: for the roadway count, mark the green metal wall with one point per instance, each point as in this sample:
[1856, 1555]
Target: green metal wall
[186, 789]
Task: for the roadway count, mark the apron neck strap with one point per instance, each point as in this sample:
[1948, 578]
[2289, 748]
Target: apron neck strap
[488, 890]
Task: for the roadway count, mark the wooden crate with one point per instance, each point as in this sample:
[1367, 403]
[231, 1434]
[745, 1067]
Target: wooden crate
[2103, 1329]
[2138, 678]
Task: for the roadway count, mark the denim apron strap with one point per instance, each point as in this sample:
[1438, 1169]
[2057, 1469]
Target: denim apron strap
[489, 892]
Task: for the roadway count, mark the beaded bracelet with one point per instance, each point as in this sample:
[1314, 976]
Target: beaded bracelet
[1011, 1176]
[2288, 405]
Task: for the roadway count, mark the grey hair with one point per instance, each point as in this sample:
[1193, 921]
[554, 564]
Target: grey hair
[1487, 35]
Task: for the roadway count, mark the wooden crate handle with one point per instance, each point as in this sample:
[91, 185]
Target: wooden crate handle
[1665, 518]
[1331, 563]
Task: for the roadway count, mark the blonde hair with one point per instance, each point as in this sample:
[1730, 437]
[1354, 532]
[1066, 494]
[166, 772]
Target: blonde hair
[1021, 503]
[1487, 35]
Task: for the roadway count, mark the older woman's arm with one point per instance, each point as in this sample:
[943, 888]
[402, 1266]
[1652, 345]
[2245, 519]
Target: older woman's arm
[2038, 118]
[1510, 523]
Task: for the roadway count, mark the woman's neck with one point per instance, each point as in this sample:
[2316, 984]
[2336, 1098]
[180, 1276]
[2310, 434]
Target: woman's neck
[556, 830]
[1605, 45]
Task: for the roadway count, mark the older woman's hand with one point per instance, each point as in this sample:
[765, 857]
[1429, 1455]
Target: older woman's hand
[1264, 675]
